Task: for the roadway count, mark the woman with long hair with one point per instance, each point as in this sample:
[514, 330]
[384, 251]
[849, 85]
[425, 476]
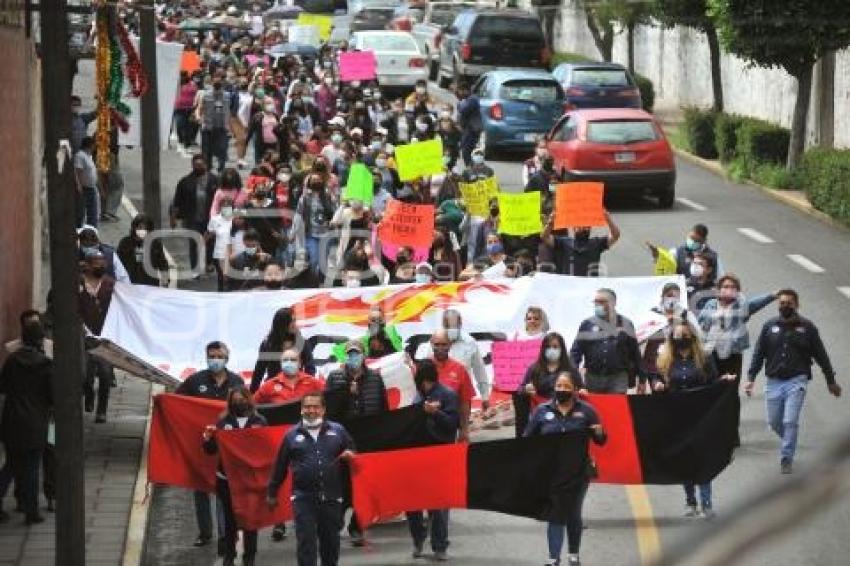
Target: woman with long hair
[282, 335]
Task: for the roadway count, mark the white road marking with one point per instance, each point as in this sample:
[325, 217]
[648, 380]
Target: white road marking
[806, 263]
[844, 291]
[755, 235]
[690, 203]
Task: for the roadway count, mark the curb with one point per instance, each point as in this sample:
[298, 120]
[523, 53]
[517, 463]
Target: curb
[782, 196]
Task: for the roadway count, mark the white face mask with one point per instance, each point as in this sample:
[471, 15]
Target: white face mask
[670, 303]
[380, 163]
[352, 283]
[478, 159]
[141, 233]
[445, 115]
[269, 108]
[420, 90]
[453, 334]
[408, 108]
[283, 177]
[697, 270]
[329, 81]
[336, 139]
[421, 127]
[312, 423]
[355, 84]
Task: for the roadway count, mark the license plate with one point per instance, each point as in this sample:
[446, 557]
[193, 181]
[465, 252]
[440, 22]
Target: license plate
[624, 157]
[530, 137]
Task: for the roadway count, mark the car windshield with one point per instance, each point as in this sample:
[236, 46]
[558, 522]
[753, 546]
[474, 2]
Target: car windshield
[387, 42]
[599, 77]
[621, 131]
[531, 90]
[517, 29]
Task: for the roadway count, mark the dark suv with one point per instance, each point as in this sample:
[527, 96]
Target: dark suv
[483, 40]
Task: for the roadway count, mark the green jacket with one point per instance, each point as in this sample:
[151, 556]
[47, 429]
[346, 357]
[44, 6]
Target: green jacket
[450, 214]
[390, 333]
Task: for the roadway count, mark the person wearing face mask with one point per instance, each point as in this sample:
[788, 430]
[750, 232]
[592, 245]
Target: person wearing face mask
[695, 244]
[469, 120]
[358, 392]
[531, 166]
[545, 179]
[215, 382]
[192, 202]
[683, 365]
[326, 97]
[214, 112]
[89, 241]
[231, 186]
[291, 384]
[607, 345]
[566, 413]
[424, 127]
[357, 269]
[581, 254]
[333, 150]
[443, 255]
[381, 339]
[450, 135]
[272, 278]
[786, 347]
[478, 170]
[184, 104]
[494, 249]
[390, 181]
[95, 295]
[263, 129]
[353, 223]
[423, 273]
[312, 219]
[133, 253]
[218, 231]
[442, 422]
[420, 99]
[240, 414]
[245, 267]
[700, 281]
[264, 215]
[381, 198]
[316, 451]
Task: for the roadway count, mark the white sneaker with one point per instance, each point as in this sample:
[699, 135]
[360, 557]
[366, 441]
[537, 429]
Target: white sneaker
[691, 511]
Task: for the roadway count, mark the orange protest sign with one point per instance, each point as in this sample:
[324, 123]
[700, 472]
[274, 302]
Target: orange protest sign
[579, 204]
[407, 224]
[190, 62]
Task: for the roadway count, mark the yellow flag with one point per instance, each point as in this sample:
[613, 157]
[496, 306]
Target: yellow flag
[666, 263]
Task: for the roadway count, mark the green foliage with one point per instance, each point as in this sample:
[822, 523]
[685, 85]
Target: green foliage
[567, 57]
[772, 175]
[762, 142]
[647, 92]
[699, 129]
[677, 138]
[726, 135]
[825, 176]
[689, 13]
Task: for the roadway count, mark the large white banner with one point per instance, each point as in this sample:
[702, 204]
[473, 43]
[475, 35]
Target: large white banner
[170, 328]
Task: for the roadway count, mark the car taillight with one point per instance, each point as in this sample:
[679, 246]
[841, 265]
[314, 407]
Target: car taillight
[465, 51]
[545, 56]
[438, 39]
[405, 24]
[416, 62]
[497, 112]
[628, 92]
[575, 91]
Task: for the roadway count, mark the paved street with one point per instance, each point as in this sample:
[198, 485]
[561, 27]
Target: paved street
[769, 245]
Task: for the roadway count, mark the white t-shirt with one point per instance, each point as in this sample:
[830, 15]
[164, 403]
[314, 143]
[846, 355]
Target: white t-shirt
[237, 245]
[246, 100]
[242, 421]
[220, 226]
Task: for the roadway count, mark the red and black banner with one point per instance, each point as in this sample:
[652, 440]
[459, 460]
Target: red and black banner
[658, 439]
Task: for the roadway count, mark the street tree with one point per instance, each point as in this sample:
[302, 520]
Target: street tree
[789, 34]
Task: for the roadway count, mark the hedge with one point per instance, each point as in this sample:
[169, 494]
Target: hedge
[825, 176]
[726, 135]
[647, 92]
[762, 142]
[699, 131]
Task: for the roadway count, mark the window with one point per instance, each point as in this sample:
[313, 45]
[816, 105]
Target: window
[600, 77]
[567, 130]
[443, 17]
[389, 42]
[515, 29]
[531, 90]
[621, 131]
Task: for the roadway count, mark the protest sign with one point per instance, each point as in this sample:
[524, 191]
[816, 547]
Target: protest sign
[357, 66]
[407, 224]
[579, 205]
[322, 22]
[477, 195]
[360, 185]
[665, 263]
[190, 61]
[304, 35]
[511, 360]
[419, 159]
[519, 214]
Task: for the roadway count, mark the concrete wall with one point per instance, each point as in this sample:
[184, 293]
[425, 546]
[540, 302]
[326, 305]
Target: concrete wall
[677, 62]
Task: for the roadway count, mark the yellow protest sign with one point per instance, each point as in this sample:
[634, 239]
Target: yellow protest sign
[519, 214]
[322, 22]
[476, 196]
[419, 159]
[665, 264]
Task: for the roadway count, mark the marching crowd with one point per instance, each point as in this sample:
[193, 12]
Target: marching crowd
[278, 219]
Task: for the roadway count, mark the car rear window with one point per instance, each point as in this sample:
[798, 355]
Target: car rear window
[443, 17]
[387, 42]
[376, 14]
[621, 131]
[515, 29]
[599, 77]
[531, 90]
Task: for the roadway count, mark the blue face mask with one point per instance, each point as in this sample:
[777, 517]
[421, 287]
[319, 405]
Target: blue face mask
[88, 249]
[493, 249]
[354, 360]
[422, 278]
[289, 367]
[478, 159]
[600, 311]
[216, 364]
[250, 251]
[693, 245]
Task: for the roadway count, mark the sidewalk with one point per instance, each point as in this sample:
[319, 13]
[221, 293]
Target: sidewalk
[112, 453]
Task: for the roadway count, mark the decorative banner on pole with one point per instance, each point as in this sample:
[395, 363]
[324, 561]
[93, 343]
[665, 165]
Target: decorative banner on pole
[510, 362]
[357, 66]
[519, 214]
[323, 23]
[477, 195]
[579, 205]
[360, 185]
[665, 263]
[407, 224]
[419, 159]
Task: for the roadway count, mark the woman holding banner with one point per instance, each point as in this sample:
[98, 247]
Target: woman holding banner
[565, 413]
[240, 413]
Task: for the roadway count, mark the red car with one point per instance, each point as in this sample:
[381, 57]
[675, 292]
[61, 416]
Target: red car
[622, 147]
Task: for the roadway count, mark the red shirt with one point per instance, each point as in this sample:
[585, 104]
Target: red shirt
[280, 389]
[453, 375]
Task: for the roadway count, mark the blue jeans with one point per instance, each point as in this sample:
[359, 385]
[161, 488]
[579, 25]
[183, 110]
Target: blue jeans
[784, 398]
[439, 519]
[704, 495]
[25, 464]
[317, 520]
[88, 209]
[203, 514]
[573, 526]
[313, 244]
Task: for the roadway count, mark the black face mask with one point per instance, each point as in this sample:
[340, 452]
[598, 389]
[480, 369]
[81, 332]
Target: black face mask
[787, 312]
[241, 409]
[563, 396]
[494, 211]
[582, 236]
[98, 272]
[274, 284]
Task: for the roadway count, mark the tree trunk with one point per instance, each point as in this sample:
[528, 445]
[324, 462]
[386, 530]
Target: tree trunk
[801, 111]
[630, 40]
[716, 75]
[826, 101]
[604, 38]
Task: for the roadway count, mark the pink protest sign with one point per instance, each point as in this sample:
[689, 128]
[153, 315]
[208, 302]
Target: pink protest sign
[511, 360]
[357, 66]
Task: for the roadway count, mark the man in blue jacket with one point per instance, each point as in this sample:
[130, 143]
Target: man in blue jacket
[314, 450]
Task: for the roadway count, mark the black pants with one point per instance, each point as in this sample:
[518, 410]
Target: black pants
[200, 228]
[105, 374]
[317, 520]
[49, 469]
[25, 464]
[734, 365]
[566, 512]
[249, 538]
[214, 145]
[468, 141]
[522, 412]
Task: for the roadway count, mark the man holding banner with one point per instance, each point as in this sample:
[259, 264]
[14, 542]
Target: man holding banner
[580, 254]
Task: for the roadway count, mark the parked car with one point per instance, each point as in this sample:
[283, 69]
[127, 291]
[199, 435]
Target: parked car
[428, 32]
[400, 61]
[372, 18]
[624, 148]
[598, 85]
[484, 40]
[405, 16]
[518, 107]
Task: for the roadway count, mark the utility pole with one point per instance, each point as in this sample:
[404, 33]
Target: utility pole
[64, 279]
[150, 115]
